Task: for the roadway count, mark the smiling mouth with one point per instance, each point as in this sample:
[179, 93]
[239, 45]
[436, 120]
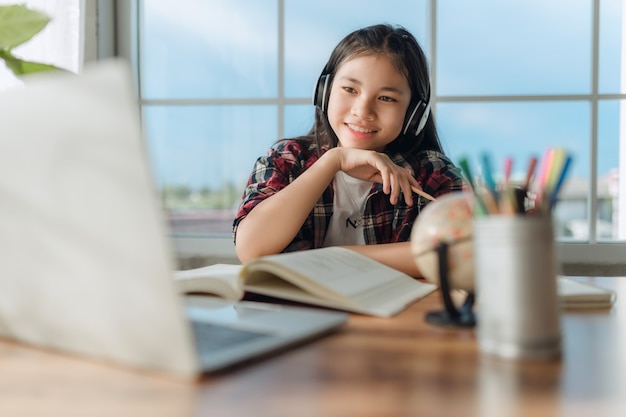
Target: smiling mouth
[359, 129]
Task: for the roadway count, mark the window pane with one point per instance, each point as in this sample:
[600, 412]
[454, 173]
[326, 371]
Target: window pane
[313, 28]
[611, 224]
[611, 24]
[207, 49]
[298, 120]
[203, 156]
[522, 130]
[490, 47]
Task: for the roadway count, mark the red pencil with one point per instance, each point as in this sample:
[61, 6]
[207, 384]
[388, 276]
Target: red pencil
[531, 170]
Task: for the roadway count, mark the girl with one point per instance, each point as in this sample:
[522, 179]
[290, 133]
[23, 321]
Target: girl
[356, 179]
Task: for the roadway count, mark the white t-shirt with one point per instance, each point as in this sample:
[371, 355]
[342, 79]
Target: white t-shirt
[346, 223]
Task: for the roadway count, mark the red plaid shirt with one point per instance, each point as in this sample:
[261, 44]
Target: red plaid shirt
[383, 222]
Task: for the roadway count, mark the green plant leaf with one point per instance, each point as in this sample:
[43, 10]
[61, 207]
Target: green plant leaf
[18, 24]
[22, 67]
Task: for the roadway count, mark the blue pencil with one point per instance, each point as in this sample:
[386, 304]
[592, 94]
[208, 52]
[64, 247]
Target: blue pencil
[488, 171]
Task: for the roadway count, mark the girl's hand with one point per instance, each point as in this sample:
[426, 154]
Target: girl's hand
[377, 167]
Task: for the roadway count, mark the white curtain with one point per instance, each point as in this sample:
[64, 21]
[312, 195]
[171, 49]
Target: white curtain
[59, 43]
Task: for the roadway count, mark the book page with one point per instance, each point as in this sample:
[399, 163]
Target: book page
[578, 294]
[341, 270]
[335, 277]
[220, 279]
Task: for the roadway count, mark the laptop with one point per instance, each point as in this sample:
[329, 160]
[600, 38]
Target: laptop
[86, 264]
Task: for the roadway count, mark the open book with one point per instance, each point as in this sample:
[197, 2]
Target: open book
[330, 277]
[575, 294]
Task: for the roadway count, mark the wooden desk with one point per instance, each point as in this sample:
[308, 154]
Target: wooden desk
[373, 367]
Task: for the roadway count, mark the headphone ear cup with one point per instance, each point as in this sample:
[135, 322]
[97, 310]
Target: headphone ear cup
[423, 119]
[322, 92]
[416, 118]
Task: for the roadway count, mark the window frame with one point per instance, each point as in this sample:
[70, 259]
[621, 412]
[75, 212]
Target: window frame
[589, 253]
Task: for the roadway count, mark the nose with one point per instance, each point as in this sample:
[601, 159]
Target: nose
[363, 108]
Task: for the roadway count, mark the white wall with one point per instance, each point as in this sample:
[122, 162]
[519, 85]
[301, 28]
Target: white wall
[59, 43]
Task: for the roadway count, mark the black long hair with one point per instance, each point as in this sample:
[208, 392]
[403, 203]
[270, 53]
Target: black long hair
[401, 47]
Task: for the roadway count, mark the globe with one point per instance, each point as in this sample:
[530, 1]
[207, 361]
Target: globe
[447, 219]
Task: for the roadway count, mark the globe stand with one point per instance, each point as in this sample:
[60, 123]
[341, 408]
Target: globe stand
[451, 316]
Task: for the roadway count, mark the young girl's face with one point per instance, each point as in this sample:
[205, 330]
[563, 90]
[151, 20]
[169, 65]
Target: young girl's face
[368, 101]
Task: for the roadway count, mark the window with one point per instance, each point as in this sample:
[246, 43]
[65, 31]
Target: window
[221, 80]
[524, 90]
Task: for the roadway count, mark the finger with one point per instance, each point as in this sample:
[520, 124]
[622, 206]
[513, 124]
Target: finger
[395, 189]
[408, 182]
[417, 189]
[385, 176]
[404, 184]
[423, 193]
[406, 190]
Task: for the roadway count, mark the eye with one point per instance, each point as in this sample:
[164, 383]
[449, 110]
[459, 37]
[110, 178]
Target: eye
[388, 99]
[349, 90]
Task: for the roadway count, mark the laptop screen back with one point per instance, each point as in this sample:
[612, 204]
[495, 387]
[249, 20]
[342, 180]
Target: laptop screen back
[85, 263]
